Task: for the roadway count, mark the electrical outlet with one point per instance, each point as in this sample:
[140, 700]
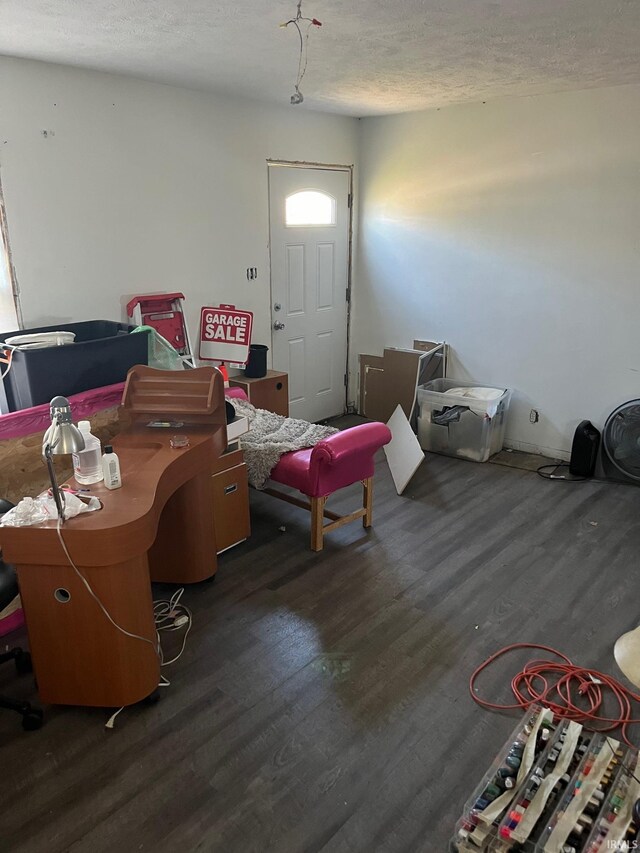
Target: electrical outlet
[534, 416]
[252, 273]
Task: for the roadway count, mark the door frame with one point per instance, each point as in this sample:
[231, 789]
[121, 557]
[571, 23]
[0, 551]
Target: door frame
[328, 167]
[7, 258]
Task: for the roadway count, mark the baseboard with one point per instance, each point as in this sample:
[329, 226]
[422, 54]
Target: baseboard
[550, 452]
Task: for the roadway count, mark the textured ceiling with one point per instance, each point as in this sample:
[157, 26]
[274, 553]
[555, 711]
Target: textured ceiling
[370, 57]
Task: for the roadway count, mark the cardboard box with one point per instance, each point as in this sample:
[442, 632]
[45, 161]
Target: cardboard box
[392, 379]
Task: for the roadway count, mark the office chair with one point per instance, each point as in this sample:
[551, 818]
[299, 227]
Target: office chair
[31, 717]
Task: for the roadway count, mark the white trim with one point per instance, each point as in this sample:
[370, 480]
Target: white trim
[9, 292]
[303, 164]
[550, 452]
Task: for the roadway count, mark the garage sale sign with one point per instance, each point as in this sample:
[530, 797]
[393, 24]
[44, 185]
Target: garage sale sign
[225, 334]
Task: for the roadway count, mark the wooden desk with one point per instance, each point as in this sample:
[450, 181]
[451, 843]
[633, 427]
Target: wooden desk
[230, 483]
[158, 526]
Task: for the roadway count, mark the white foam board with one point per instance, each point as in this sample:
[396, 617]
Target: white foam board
[404, 454]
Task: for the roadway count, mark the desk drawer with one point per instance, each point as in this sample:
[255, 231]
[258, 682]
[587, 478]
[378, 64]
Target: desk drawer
[231, 507]
[227, 460]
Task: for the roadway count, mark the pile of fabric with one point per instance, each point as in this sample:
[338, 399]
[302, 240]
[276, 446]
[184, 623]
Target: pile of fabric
[270, 436]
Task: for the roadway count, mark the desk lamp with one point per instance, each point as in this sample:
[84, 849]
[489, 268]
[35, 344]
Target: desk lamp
[61, 438]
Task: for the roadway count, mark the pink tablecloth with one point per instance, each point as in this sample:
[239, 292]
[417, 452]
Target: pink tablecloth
[37, 419]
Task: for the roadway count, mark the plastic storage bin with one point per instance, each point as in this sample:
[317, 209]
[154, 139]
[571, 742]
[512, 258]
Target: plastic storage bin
[469, 427]
[477, 828]
[571, 791]
[102, 354]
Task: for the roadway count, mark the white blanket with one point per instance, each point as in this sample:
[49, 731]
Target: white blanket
[270, 436]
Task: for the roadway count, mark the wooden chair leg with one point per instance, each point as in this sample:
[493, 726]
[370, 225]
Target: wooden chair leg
[317, 523]
[367, 502]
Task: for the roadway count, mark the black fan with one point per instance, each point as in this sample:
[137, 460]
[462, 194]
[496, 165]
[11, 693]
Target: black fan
[621, 440]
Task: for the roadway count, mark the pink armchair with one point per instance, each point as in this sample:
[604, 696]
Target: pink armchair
[334, 463]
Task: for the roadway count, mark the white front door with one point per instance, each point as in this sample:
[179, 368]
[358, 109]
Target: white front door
[309, 239]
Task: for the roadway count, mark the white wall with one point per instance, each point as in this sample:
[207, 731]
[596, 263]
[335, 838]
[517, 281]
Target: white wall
[511, 230]
[140, 187]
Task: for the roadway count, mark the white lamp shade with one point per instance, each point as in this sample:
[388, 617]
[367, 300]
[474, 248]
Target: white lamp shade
[627, 654]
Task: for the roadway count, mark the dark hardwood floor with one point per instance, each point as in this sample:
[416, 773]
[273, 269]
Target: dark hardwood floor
[322, 701]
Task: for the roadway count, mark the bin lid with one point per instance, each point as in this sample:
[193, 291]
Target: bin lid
[477, 393]
[39, 340]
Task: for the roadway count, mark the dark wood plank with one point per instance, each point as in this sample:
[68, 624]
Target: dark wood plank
[322, 702]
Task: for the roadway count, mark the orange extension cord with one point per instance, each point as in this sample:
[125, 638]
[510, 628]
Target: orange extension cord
[556, 686]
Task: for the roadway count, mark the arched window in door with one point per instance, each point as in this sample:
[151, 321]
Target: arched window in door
[309, 208]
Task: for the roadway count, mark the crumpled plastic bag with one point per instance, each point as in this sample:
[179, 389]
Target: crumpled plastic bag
[161, 354]
[43, 508]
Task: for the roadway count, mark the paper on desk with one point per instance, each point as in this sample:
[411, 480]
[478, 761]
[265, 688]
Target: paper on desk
[43, 508]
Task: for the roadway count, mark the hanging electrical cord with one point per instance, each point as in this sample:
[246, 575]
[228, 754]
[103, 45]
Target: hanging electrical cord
[298, 97]
[560, 685]
[546, 474]
[168, 615]
[155, 646]
[6, 357]
[171, 615]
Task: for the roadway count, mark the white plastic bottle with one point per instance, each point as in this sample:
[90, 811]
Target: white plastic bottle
[111, 468]
[87, 465]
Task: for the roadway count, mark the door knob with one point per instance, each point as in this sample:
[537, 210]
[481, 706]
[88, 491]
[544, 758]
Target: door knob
[277, 326]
